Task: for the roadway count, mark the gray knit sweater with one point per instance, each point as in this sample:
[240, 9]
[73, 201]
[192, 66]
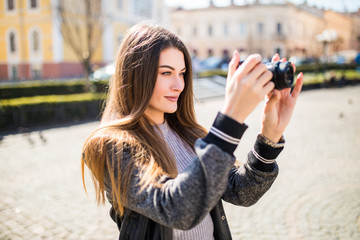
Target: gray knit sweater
[184, 155]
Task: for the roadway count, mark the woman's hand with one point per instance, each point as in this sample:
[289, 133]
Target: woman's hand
[246, 86]
[278, 108]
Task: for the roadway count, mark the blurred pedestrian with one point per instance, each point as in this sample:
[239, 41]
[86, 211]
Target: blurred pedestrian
[162, 172]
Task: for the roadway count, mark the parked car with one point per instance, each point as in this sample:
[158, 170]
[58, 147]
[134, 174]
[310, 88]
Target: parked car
[302, 60]
[211, 63]
[103, 73]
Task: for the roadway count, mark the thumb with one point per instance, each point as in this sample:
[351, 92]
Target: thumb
[273, 99]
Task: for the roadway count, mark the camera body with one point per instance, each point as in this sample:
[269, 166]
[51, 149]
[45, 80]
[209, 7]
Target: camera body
[283, 73]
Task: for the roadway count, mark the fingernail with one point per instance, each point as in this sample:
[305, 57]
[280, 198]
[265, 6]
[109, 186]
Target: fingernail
[235, 52]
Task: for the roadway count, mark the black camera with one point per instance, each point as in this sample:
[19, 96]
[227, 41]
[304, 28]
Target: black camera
[283, 73]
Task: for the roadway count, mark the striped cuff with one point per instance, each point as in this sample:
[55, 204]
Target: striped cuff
[225, 133]
[263, 155]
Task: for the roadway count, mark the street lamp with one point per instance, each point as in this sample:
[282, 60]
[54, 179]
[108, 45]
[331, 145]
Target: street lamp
[326, 38]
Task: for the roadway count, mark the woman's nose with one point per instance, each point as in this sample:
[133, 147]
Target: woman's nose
[178, 83]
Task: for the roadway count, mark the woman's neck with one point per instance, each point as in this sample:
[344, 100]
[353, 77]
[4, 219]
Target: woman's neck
[155, 119]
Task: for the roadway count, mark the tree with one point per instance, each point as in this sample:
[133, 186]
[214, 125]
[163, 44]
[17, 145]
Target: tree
[81, 25]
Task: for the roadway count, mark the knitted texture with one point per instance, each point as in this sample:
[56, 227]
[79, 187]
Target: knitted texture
[184, 155]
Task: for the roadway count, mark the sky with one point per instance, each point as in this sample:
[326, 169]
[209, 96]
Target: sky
[336, 5]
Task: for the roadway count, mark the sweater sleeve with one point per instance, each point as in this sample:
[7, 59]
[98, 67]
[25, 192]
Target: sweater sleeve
[249, 182]
[225, 133]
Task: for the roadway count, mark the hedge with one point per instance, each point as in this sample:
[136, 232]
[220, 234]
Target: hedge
[305, 68]
[38, 88]
[35, 111]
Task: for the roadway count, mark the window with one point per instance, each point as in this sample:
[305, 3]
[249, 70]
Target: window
[195, 31]
[36, 41]
[210, 30]
[36, 71]
[279, 51]
[10, 5]
[242, 29]
[225, 55]
[226, 29]
[210, 52]
[260, 28]
[142, 8]
[12, 41]
[119, 4]
[14, 75]
[33, 4]
[119, 39]
[279, 29]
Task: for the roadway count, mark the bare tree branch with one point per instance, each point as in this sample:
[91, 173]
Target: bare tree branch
[81, 25]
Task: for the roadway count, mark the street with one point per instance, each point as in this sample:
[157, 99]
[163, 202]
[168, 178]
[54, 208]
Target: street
[316, 195]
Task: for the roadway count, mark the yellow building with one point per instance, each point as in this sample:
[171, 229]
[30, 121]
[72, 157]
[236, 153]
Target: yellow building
[32, 45]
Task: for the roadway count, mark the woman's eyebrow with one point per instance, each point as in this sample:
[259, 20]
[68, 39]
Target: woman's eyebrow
[167, 66]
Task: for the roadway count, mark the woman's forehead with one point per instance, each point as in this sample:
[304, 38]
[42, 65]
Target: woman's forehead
[172, 57]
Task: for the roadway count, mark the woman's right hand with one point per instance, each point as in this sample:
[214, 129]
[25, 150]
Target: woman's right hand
[246, 86]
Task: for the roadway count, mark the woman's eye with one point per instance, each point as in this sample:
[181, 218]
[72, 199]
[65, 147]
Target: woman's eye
[182, 74]
[166, 73]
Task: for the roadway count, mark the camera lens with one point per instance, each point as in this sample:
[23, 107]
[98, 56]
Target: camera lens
[283, 74]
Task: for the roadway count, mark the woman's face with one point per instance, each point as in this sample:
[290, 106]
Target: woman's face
[169, 84]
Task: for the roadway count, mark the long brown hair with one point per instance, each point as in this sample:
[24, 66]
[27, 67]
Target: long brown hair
[124, 125]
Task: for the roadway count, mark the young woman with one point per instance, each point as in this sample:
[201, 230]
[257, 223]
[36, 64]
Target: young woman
[163, 173]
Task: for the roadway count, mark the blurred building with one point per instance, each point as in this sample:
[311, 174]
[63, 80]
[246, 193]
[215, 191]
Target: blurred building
[282, 27]
[33, 46]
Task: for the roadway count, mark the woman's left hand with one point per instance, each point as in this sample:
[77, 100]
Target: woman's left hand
[278, 108]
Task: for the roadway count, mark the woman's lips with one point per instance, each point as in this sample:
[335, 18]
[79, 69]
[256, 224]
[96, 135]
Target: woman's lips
[171, 98]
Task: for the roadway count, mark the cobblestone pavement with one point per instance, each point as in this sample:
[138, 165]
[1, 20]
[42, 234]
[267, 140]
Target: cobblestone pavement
[316, 196]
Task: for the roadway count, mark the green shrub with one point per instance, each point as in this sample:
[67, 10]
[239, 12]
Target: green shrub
[313, 73]
[34, 111]
[50, 99]
[38, 88]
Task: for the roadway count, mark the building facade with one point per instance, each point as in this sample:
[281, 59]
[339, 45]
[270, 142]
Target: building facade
[284, 27]
[33, 47]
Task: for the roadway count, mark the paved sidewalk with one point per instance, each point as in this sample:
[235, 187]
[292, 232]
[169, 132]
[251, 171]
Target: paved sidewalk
[316, 196]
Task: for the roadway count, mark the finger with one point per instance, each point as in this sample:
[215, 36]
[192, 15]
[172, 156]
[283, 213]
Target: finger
[269, 95]
[264, 78]
[256, 75]
[234, 62]
[286, 91]
[268, 88]
[283, 60]
[298, 85]
[275, 58]
[248, 65]
[294, 67]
